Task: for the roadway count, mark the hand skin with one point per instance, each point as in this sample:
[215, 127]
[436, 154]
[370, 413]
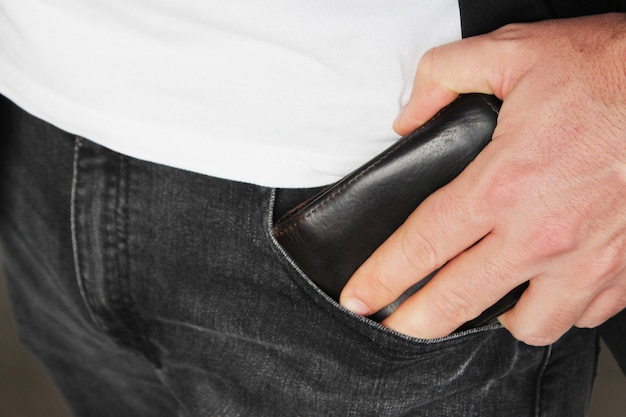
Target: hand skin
[544, 202]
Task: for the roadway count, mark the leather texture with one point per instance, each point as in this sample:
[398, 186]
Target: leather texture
[334, 232]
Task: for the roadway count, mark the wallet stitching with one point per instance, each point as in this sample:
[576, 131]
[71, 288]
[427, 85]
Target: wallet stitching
[340, 190]
[285, 229]
[334, 195]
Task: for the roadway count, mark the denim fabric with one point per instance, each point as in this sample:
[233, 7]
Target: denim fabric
[150, 291]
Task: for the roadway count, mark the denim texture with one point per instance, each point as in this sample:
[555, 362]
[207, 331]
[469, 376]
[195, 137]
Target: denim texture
[151, 291]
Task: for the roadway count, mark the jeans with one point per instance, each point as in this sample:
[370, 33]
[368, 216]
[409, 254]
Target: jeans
[146, 290]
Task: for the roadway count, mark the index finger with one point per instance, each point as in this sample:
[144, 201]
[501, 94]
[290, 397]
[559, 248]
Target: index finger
[444, 225]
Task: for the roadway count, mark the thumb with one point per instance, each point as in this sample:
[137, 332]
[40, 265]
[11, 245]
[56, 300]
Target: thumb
[444, 72]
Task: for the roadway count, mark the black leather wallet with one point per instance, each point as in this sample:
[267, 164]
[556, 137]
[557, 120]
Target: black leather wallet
[330, 235]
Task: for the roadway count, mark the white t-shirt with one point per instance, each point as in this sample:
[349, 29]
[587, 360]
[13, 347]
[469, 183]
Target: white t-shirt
[272, 92]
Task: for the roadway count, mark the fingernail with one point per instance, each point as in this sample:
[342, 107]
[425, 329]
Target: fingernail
[356, 306]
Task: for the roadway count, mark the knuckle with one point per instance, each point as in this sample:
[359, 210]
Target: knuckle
[537, 340]
[534, 336]
[419, 251]
[427, 62]
[510, 31]
[589, 322]
[507, 44]
[517, 40]
[547, 329]
[379, 286]
[553, 238]
[611, 259]
[599, 273]
[454, 306]
[606, 304]
[506, 186]
[496, 269]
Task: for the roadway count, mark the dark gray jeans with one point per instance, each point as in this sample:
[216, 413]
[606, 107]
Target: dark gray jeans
[151, 291]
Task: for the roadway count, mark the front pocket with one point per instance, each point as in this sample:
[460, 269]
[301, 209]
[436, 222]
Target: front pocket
[380, 372]
[373, 330]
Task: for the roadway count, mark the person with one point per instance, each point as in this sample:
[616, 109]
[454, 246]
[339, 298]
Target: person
[147, 148]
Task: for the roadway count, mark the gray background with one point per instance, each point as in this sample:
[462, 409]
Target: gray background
[26, 392]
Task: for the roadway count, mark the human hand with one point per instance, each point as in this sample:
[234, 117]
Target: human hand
[545, 201]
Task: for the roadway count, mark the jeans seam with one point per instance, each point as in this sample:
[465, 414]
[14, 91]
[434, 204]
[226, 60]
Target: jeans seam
[78, 143]
[108, 298]
[125, 309]
[122, 222]
[542, 370]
